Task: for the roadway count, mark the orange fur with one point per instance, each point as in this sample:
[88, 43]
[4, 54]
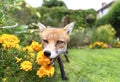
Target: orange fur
[55, 34]
[54, 39]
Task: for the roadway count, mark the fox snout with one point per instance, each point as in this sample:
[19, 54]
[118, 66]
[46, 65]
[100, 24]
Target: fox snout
[47, 53]
[51, 53]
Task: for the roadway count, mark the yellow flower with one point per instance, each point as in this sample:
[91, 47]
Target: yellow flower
[28, 48]
[118, 43]
[1, 40]
[17, 46]
[104, 45]
[41, 59]
[90, 46]
[36, 46]
[97, 44]
[32, 55]
[4, 79]
[8, 38]
[18, 59]
[26, 66]
[8, 41]
[45, 71]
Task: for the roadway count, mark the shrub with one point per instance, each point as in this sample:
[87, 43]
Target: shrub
[108, 28]
[22, 64]
[116, 43]
[105, 33]
[75, 41]
[80, 38]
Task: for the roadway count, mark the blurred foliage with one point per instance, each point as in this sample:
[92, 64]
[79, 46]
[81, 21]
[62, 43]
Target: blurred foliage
[102, 21]
[76, 39]
[113, 17]
[104, 33]
[25, 14]
[90, 18]
[53, 16]
[80, 38]
[108, 28]
[18, 12]
[116, 44]
[6, 8]
[53, 3]
[25, 35]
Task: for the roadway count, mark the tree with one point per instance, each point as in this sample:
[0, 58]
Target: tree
[114, 16]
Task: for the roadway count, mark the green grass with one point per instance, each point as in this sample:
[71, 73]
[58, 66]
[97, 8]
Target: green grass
[90, 65]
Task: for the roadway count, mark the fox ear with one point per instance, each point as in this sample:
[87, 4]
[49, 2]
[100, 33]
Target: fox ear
[41, 27]
[68, 28]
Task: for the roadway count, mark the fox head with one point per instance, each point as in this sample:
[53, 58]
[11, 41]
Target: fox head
[54, 40]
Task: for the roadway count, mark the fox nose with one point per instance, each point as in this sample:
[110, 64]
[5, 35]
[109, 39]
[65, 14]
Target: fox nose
[47, 53]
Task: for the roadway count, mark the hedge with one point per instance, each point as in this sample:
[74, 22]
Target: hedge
[53, 16]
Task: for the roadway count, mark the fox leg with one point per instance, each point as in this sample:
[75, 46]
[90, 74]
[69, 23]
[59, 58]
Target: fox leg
[63, 75]
[65, 54]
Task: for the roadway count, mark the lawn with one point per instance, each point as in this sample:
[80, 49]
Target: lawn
[90, 65]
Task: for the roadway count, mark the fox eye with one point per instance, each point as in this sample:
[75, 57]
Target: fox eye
[59, 42]
[46, 41]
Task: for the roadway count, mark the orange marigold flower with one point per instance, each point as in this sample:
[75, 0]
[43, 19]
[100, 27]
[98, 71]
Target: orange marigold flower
[41, 59]
[36, 46]
[26, 66]
[45, 71]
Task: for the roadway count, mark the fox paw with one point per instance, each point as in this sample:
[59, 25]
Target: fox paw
[65, 78]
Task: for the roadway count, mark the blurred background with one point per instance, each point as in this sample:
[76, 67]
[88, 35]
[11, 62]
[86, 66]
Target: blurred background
[21, 16]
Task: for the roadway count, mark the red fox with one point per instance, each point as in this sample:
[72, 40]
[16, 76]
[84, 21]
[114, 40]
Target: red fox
[54, 41]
